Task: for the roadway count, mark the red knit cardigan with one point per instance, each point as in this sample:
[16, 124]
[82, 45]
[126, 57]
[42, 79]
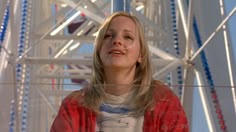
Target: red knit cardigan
[167, 116]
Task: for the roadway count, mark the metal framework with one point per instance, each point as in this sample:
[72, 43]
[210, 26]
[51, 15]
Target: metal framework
[46, 52]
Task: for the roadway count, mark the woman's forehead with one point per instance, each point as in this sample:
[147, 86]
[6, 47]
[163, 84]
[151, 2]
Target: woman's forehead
[124, 23]
[121, 20]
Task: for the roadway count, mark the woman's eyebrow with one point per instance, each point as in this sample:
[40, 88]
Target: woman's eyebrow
[110, 29]
[126, 30]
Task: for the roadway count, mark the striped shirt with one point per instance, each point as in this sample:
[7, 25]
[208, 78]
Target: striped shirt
[116, 115]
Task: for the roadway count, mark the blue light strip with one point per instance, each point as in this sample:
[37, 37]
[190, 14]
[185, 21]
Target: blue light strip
[209, 78]
[25, 102]
[176, 45]
[19, 68]
[4, 24]
[12, 117]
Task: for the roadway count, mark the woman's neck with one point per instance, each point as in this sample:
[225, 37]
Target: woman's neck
[119, 83]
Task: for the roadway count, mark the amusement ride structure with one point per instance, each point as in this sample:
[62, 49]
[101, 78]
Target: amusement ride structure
[46, 52]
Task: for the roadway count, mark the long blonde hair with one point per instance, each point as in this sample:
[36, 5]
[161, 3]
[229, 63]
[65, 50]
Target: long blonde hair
[94, 95]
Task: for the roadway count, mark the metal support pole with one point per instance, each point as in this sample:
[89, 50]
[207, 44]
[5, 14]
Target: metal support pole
[14, 38]
[120, 5]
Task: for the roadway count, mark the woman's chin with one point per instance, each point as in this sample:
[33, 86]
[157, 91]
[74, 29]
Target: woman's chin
[115, 66]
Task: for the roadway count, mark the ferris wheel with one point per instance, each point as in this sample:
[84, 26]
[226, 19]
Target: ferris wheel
[46, 45]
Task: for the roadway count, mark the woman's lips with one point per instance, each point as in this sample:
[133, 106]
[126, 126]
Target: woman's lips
[116, 51]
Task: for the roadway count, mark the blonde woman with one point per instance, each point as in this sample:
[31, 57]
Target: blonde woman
[122, 96]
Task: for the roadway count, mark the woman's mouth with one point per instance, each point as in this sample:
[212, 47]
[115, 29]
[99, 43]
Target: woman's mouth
[116, 52]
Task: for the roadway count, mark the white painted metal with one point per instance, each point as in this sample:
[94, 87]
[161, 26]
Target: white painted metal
[52, 65]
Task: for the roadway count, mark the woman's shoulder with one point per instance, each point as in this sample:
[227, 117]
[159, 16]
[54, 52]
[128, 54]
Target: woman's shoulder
[74, 97]
[162, 92]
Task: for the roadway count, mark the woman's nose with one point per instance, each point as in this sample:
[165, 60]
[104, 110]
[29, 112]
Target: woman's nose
[117, 40]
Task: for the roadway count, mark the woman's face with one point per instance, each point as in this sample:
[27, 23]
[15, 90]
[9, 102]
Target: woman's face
[120, 47]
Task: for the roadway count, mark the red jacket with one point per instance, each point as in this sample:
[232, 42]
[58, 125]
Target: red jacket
[167, 116]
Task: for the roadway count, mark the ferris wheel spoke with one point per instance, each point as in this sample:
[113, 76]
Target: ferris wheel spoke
[187, 91]
[213, 34]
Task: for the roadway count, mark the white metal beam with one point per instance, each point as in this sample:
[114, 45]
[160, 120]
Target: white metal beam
[168, 68]
[68, 37]
[228, 57]
[213, 34]
[83, 61]
[187, 92]
[150, 24]
[48, 102]
[48, 21]
[188, 47]
[205, 103]
[36, 42]
[181, 8]
[65, 76]
[97, 9]
[41, 60]
[162, 54]
[90, 14]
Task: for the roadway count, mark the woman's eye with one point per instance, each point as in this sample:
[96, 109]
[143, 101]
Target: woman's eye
[128, 37]
[107, 36]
